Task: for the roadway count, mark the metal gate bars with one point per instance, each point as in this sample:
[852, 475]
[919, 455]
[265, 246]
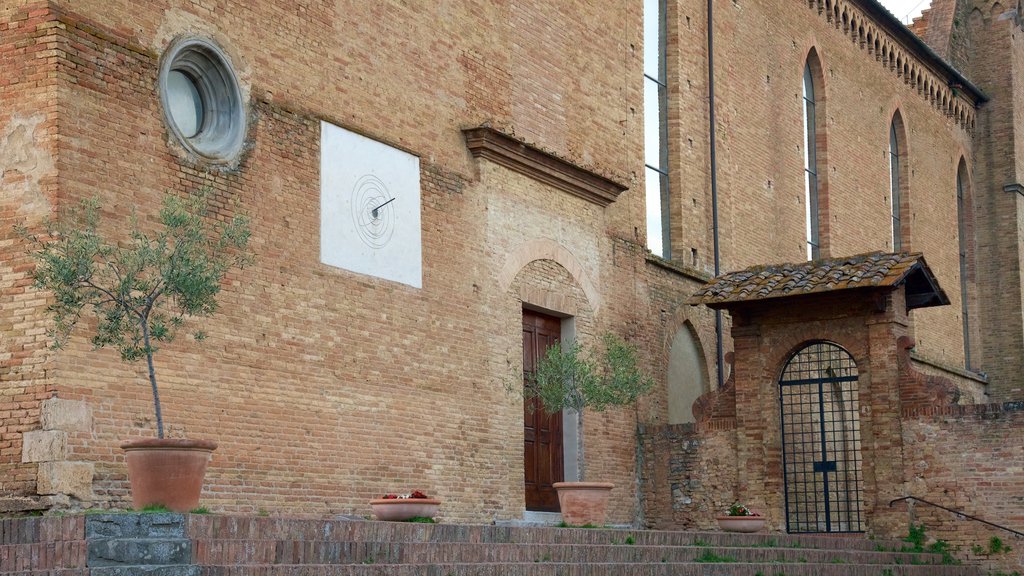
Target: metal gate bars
[821, 441]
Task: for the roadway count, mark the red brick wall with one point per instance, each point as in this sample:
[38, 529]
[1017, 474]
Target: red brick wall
[968, 458]
[28, 129]
[760, 52]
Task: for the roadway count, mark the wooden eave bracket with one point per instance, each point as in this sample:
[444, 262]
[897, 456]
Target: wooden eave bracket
[530, 161]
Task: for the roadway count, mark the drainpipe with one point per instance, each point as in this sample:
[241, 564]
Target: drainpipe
[719, 347]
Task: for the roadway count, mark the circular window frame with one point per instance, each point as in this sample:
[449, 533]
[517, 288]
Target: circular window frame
[222, 130]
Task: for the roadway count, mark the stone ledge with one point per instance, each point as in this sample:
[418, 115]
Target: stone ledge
[504, 150]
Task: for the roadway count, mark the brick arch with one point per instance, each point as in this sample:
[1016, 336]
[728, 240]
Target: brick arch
[797, 342]
[545, 249]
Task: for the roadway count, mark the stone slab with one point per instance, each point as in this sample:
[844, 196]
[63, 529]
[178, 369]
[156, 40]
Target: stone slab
[139, 551]
[72, 478]
[136, 525]
[66, 415]
[44, 446]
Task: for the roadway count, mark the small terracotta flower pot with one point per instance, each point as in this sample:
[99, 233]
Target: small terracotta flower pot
[584, 503]
[741, 523]
[398, 509]
[167, 471]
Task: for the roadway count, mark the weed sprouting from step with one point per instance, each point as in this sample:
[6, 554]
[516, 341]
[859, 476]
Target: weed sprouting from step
[765, 544]
[917, 537]
[420, 520]
[154, 508]
[199, 510]
[630, 540]
[838, 561]
[995, 546]
[709, 557]
[700, 543]
[887, 572]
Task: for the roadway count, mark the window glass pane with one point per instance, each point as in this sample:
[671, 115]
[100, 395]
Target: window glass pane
[652, 41]
[185, 103]
[894, 186]
[652, 179]
[652, 125]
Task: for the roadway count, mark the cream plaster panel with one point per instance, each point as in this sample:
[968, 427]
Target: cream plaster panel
[23, 164]
[529, 221]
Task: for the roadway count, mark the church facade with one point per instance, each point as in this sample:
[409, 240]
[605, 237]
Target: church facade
[439, 190]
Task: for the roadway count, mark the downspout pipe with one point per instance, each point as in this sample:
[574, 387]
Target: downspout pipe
[719, 345]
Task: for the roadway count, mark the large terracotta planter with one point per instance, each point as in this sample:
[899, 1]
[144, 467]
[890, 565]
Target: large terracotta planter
[398, 509]
[584, 503]
[741, 523]
[167, 471]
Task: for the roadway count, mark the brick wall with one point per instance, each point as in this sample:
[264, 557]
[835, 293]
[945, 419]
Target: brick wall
[28, 174]
[980, 477]
[760, 51]
[322, 387]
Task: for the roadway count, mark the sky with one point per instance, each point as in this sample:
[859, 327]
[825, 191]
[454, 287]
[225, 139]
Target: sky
[906, 10]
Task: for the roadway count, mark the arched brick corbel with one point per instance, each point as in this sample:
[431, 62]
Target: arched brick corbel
[919, 390]
[717, 408]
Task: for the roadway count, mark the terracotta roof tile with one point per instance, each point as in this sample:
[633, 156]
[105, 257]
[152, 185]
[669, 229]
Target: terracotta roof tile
[876, 269]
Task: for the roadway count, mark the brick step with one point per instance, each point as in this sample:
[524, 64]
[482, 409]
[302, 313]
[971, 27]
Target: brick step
[54, 572]
[597, 569]
[39, 530]
[264, 552]
[249, 528]
[43, 555]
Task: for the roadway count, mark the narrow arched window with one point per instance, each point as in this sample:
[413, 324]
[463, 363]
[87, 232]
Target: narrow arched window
[963, 231]
[894, 185]
[656, 130]
[811, 163]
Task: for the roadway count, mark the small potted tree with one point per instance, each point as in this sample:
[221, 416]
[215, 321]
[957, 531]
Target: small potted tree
[571, 378]
[141, 291]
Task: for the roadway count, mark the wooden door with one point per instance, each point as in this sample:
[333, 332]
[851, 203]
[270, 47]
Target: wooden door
[542, 432]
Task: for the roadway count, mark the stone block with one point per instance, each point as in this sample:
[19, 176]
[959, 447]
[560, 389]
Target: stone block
[66, 415]
[139, 551]
[137, 525]
[44, 446]
[72, 478]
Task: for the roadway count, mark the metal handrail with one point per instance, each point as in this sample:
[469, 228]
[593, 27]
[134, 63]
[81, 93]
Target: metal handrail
[958, 513]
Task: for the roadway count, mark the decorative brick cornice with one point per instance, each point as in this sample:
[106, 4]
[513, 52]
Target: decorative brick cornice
[873, 29]
[526, 159]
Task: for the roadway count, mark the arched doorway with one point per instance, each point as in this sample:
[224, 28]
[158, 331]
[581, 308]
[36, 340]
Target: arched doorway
[821, 448]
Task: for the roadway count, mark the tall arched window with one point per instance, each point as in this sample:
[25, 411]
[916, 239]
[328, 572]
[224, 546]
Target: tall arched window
[656, 130]
[897, 180]
[812, 148]
[962, 186]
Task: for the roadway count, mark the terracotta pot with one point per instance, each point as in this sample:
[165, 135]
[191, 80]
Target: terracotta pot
[584, 503]
[167, 471]
[399, 509]
[741, 523]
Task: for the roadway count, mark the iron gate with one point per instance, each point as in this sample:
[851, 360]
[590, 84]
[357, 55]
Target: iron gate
[821, 441]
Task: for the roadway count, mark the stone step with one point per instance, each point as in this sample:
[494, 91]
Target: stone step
[249, 528]
[139, 551]
[175, 570]
[596, 569]
[265, 552]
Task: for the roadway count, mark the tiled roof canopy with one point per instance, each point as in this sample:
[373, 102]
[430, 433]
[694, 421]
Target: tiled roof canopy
[874, 270]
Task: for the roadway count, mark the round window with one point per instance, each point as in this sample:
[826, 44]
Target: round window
[201, 99]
